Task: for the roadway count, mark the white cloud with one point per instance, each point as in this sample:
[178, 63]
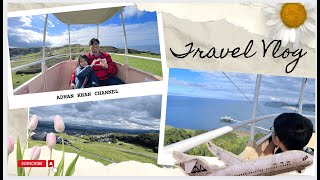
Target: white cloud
[135, 113]
[50, 24]
[24, 35]
[27, 20]
[217, 85]
[131, 11]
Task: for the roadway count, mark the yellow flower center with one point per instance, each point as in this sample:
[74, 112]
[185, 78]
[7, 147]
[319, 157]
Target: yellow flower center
[293, 15]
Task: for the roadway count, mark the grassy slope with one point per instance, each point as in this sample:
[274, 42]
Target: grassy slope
[103, 149]
[148, 55]
[18, 79]
[153, 67]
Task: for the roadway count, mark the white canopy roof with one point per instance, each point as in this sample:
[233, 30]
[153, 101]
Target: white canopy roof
[93, 16]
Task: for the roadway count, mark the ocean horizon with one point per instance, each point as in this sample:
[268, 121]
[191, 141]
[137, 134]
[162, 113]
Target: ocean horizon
[205, 113]
[150, 48]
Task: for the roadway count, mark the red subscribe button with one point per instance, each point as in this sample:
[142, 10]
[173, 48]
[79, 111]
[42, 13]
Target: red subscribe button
[32, 163]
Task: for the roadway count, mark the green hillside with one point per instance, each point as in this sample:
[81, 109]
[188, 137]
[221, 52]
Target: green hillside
[234, 142]
[104, 152]
[36, 52]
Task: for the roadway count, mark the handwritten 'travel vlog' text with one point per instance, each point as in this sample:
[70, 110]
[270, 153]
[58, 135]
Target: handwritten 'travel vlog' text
[247, 53]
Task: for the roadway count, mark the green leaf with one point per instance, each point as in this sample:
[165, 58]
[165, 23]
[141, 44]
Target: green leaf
[72, 166]
[59, 169]
[21, 171]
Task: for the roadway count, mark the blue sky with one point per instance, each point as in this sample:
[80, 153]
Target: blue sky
[142, 113]
[184, 82]
[141, 27]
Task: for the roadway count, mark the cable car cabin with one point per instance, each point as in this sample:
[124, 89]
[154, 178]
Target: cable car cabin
[57, 77]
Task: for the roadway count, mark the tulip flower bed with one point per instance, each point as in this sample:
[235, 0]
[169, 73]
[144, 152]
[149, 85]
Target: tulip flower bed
[113, 151]
[59, 127]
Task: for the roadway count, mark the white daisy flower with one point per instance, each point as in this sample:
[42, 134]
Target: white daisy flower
[290, 22]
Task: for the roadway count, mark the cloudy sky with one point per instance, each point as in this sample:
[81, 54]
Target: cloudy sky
[141, 27]
[139, 113]
[216, 85]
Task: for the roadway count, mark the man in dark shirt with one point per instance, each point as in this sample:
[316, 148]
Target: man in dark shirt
[291, 131]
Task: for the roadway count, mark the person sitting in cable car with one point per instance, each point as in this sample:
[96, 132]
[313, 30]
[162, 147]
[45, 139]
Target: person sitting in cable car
[104, 68]
[291, 131]
[85, 76]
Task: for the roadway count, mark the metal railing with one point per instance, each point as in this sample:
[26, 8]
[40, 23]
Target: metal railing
[140, 57]
[188, 144]
[37, 61]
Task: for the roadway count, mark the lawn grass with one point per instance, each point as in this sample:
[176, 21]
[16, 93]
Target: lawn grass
[127, 146]
[111, 151]
[19, 79]
[150, 66]
[231, 142]
[104, 150]
[58, 147]
[148, 55]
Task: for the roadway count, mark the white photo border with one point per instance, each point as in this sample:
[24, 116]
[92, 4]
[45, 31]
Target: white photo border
[51, 98]
[165, 72]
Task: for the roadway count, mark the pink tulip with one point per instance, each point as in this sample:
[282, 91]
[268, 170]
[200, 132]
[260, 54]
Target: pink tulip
[35, 153]
[10, 145]
[51, 140]
[58, 124]
[33, 123]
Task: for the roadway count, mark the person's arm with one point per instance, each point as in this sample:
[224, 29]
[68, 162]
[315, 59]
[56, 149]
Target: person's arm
[269, 149]
[112, 68]
[109, 65]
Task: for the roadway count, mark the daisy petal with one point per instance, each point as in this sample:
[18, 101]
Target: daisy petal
[312, 16]
[304, 31]
[269, 10]
[275, 29]
[272, 22]
[273, 16]
[292, 35]
[285, 38]
[312, 20]
[279, 7]
[297, 41]
[303, 28]
[309, 6]
[274, 4]
[310, 26]
[281, 33]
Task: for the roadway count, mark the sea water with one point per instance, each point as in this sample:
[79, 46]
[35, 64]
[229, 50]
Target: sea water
[205, 113]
